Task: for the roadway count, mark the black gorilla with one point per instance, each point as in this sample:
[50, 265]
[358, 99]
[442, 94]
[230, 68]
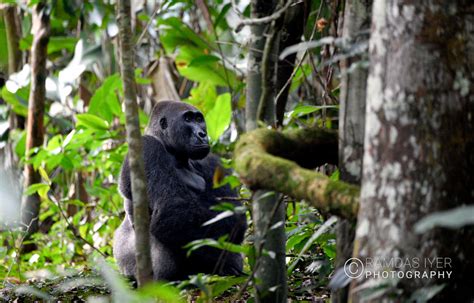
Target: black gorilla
[179, 172]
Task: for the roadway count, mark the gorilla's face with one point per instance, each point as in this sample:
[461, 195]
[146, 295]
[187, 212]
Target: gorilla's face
[189, 134]
[181, 128]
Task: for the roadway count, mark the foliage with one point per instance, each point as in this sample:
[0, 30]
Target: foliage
[85, 143]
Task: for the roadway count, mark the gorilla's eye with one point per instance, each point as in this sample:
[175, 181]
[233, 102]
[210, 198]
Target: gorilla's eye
[199, 119]
[163, 123]
[188, 117]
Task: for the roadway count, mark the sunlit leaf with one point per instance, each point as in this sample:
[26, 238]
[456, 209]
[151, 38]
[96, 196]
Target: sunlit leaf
[218, 119]
[92, 122]
[104, 103]
[36, 188]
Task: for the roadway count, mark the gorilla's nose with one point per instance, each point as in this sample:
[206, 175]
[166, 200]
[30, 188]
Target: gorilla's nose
[202, 135]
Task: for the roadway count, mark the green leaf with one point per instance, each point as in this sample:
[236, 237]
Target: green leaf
[104, 103]
[39, 188]
[179, 34]
[59, 43]
[204, 68]
[92, 122]
[20, 146]
[44, 175]
[19, 105]
[203, 96]
[161, 291]
[203, 60]
[219, 117]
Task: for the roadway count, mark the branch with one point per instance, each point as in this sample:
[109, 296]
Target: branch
[265, 159]
[263, 20]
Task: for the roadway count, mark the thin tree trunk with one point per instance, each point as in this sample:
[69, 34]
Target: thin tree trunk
[419, 146]
[259, 8]
[266, 207]
[351, 122]
[36, 103]
[137, 169]
[13, 32]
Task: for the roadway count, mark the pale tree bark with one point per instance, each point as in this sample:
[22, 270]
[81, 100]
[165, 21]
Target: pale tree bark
[259, 9]
[135, 145]
[36, 102]
[351, 120]
[419, 147]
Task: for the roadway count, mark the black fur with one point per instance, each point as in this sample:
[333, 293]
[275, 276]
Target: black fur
[179, 172]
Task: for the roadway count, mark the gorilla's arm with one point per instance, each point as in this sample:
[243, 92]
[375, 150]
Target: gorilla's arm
[153, 152]
[180, 221]
[210, 164]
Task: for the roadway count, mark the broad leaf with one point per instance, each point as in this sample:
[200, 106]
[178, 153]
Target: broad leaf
[218, 119]
[104, 103]
[92, 122]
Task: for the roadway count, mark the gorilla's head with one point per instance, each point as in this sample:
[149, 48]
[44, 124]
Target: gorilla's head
[181, 128]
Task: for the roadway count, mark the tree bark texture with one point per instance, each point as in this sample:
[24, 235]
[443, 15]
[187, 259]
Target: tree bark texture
[135, 145]
[259, 8]
[270, 274]
[419, 144]
[351, 121]
[13, 33]
[13, 30]
[36, 102]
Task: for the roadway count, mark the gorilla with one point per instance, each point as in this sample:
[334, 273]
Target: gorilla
[179, 171]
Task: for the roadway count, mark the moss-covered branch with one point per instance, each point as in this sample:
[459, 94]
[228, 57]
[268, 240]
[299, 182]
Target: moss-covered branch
[268, 159]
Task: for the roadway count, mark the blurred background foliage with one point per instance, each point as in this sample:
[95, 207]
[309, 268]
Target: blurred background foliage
[189, 49]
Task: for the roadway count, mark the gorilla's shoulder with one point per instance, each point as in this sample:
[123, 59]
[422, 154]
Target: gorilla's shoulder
[153, 150]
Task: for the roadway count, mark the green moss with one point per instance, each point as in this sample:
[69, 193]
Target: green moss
[259, 169]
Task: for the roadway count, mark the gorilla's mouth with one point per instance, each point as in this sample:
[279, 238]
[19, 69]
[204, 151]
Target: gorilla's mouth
[199, 151]
[200, 147]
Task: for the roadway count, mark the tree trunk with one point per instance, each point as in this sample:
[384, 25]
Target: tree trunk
[270, 273]
[290, 34]
[13, 30]
[419, 147]
[259, 8]
[36, 102]
[351, 121]
[137, 168]
[13, 33]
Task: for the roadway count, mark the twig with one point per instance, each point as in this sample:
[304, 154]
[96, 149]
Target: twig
[72, 227]
[155, 12]
[304, 55]
[267, 19]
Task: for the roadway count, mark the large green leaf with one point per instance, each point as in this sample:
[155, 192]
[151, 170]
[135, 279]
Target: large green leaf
[195, 65]
[219, 117]
[203, 96]
[55, 44]
[179, 34]
[104, 103]
[92, 122]
[18, 100]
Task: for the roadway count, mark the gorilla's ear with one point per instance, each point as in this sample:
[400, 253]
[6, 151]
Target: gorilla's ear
[163, 123]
